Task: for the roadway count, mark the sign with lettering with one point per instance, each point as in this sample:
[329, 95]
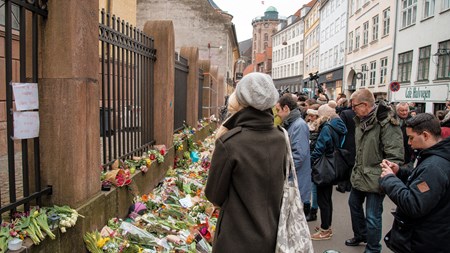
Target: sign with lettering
[25, 96]
[425, 93]
[26, 125]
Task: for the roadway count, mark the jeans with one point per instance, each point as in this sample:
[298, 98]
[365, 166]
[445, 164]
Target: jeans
[368, 226]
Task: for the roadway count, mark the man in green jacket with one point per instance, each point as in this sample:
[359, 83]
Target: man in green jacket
[377, 136]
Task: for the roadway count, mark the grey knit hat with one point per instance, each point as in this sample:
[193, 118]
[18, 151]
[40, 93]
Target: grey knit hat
[257, 90]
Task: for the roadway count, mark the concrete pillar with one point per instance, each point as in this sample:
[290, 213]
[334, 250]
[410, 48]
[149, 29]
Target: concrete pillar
[68, 101]
[164, 80]
[221, 91]
[191, 54]
[214, 73]
[206, 92]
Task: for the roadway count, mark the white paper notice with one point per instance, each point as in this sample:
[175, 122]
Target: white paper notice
[186, 202]
[26, 96]
[26, 125]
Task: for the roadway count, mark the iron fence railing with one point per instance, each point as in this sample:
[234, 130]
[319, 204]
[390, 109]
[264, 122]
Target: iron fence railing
[180, 93]
[23, 165]
[127, 78]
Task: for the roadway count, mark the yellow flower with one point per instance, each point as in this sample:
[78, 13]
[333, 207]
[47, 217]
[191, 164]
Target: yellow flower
[102, 241]
[140, 250]
[180, 147]
[148, 161]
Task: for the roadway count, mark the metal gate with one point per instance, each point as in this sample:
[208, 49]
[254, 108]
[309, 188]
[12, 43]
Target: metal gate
[23, 186]
[126, 102]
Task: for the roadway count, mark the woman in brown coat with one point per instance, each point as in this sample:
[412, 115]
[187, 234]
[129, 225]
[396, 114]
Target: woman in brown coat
[247, 172]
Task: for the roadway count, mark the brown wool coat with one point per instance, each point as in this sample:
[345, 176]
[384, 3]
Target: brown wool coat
[246, 181]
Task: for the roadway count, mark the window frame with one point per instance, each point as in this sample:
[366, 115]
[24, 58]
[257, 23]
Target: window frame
[373, 73]
[383, 70]
[375, 23]
[405, 66]
[423, 66]
[409, 13]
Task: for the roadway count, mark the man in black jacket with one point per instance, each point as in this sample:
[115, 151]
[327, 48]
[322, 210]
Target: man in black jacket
[422, 195]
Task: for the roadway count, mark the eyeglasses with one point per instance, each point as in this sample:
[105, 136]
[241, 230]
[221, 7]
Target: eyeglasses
[354, 106]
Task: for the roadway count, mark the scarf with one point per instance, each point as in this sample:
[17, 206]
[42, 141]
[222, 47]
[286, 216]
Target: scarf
[293, 116]
[368, 119]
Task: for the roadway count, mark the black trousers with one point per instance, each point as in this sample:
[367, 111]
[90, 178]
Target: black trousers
[325, 205]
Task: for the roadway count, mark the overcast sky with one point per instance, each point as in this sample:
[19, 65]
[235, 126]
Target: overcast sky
[244, 11]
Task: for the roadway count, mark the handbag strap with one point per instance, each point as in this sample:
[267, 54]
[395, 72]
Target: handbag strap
[290, 167]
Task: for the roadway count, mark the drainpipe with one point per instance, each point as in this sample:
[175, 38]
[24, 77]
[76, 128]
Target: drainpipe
[393, 50]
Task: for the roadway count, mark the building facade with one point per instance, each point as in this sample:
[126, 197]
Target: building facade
[263, 29]
[370, 44]
[422, 64]
[333, 30]
[287, 56]
[311, 50]
[197, 23]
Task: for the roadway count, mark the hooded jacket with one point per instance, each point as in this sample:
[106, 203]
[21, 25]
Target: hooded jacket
[422, 196]
[329, 138]
[378, 137]
[246, 180]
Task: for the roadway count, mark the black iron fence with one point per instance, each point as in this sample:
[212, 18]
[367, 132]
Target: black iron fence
[180, 98]
[201, 78]
[23, 186]
[126, 111]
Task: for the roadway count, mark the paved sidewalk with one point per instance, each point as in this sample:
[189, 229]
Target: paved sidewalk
[342, 226]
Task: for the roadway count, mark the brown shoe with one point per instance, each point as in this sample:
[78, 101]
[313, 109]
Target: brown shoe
[322, 234]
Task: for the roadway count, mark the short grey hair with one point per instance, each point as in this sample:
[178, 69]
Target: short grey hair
[363, 95]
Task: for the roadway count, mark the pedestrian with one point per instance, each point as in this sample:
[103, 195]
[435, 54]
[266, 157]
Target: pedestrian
[247, 171]
[403, 114]
[299, 136]
[233, 106]
[422, 195]
[445, 126]
[347, 115]
[377, 136]
[330, 137]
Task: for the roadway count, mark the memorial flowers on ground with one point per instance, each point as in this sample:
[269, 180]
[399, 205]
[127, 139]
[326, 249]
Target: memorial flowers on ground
[174, 217]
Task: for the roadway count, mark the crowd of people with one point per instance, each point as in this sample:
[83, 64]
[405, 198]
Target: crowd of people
[394, 153]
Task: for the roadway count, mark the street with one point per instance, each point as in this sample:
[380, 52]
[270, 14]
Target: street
[342, 226]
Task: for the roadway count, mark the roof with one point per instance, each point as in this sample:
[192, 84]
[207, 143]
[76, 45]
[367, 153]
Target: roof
[271, 8]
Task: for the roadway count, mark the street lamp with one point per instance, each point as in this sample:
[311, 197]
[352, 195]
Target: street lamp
[440, 52]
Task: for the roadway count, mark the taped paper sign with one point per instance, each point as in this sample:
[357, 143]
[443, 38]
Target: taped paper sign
[26, 96]
[26, 125]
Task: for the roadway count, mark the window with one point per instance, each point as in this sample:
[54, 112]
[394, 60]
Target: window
[444, 60]
[336, 25]
[383, 70]
[373, 72]
[365, 33]
[375, 28]
[330, 57]
[364, 75]
[428, 8]
[350, 42]
[297, 49]
[15, 15]
[409, 12]
[335, 56]
[404, 66]
[343, 19]
[445, 4]
[424, 63]
[352, 7]
[357, 37]
[341, 53]
[386, 21]
[266, 37]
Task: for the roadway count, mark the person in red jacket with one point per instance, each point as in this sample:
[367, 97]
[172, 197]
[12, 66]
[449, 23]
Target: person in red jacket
[445, 126]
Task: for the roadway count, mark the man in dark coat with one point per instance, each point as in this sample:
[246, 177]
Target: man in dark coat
[402, 112]
[347, 115]
[422, 195]
[247, 172]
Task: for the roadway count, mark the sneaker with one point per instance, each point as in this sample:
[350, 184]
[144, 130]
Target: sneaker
[322, 234]
[316, 229]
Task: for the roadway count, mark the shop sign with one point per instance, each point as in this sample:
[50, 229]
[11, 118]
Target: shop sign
[428, 93]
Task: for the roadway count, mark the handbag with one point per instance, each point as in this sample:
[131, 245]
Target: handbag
[398, 239]
[293, 232]
[334, 167]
